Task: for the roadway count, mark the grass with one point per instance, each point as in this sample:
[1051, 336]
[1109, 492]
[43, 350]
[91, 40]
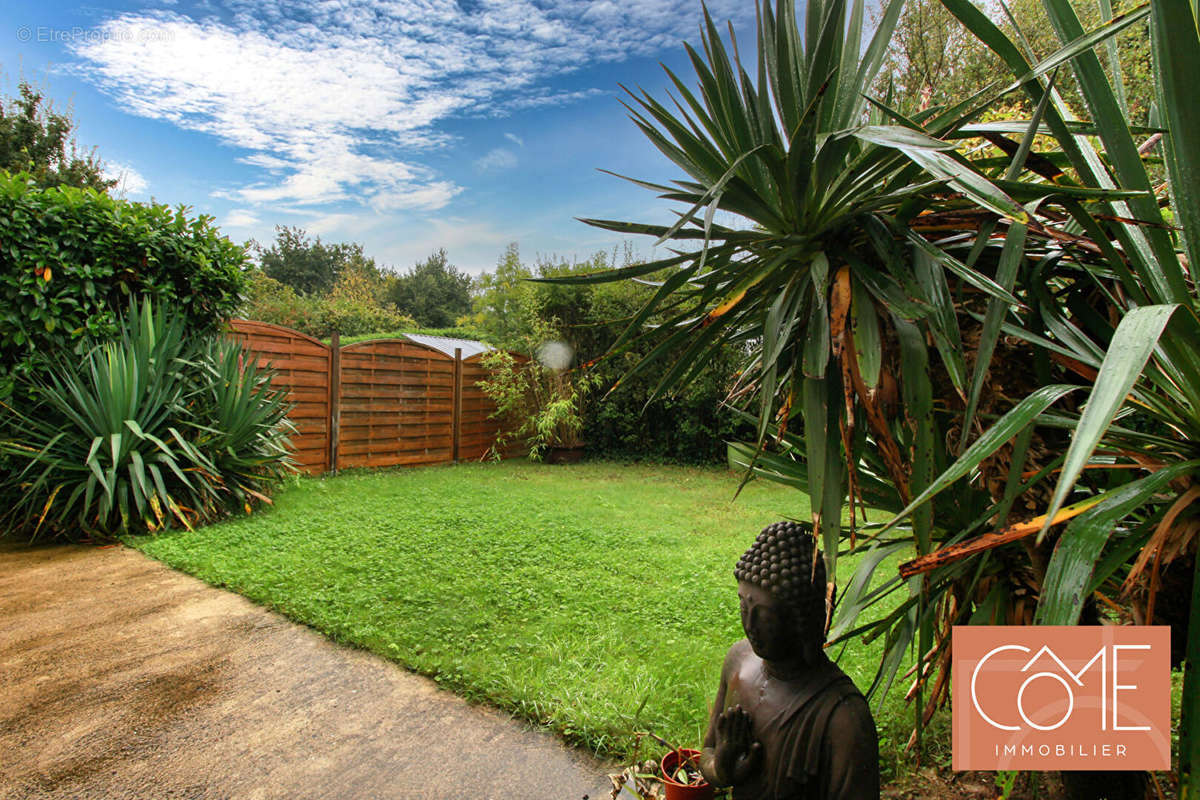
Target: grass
[597, 599]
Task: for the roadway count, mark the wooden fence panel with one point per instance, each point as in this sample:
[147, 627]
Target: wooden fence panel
[397, 405]
[379, 403]
[477, 428]
[302, 366]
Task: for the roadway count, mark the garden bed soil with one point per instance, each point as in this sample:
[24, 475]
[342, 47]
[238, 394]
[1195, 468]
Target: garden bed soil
[121, 678]
[945, 784]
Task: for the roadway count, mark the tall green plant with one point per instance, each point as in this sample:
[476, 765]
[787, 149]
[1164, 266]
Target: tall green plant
[826, 202]
[539, 398]
[873, 276]
[159, 427]
[1122, 312]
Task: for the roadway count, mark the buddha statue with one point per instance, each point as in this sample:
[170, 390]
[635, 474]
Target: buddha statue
[787, 723]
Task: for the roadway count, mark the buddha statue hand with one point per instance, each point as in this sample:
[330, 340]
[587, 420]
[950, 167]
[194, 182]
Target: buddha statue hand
[736, 754]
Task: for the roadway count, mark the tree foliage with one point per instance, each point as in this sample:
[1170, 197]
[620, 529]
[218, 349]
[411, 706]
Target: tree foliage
[933, 59]
[1133, 82]
[351, 308]
[515, 307]
[433, 292]
[309, 266]
[501, 299]
[321, 288]
[71, 259]
[36, 139]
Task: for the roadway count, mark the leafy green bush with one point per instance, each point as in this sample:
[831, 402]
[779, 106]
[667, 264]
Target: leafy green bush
[351, 307]
[628, 421]
[540, 400]
[269, 300]
[155, 428]
[71, 259]
[688, 426]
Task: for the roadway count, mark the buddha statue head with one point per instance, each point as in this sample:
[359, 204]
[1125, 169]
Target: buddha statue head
[781, 589]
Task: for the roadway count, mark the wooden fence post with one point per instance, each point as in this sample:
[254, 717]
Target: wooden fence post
[335, 399]
[458, 390]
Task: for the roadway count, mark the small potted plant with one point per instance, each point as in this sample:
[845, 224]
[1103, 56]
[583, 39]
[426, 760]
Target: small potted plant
[674, 777]
[681, 776]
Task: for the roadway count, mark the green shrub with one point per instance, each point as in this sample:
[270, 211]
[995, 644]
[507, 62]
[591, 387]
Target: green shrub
[539, 401]
[71, 259]
[619, 421]
[351, 307]
[155, 428]
[689, 426]
[268, 300]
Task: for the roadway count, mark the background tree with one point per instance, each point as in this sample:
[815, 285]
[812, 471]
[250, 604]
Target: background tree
[934, 60]
[309, 266]
[515, 311]
[1133, 83]
[354, 306]
[433, 292]
[499, 299]
[36, 139]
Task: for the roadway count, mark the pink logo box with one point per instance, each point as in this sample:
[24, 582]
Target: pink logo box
[1062, 698]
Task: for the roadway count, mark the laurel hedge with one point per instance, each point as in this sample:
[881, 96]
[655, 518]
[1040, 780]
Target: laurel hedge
[71, 259]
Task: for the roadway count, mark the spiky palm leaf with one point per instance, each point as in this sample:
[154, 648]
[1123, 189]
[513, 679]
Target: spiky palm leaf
[154, 429]
[865, 253]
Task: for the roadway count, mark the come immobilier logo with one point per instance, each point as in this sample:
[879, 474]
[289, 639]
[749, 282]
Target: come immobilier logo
[1062, 697]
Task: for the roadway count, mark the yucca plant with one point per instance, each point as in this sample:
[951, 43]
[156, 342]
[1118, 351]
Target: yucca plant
[827, 268]
[1126, 319]
[240, 421]
[1114, 305]
[873, 275]
[153, 429]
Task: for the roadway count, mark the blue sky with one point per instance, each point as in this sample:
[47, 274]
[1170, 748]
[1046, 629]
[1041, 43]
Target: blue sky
[406, 125]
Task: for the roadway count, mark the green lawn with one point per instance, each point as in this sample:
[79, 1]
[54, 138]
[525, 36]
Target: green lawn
[572, 596]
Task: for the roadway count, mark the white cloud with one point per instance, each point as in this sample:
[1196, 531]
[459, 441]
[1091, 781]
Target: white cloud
[129, 180]
[517, 140]
[495, 160]
[473, 245]
[265, 161]
[342, 226]
[539, 98]
[432, 196]
[335, 100]
[240, 218]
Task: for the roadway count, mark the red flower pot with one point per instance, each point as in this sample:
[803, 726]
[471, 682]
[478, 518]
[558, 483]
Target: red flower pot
[678, 791]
